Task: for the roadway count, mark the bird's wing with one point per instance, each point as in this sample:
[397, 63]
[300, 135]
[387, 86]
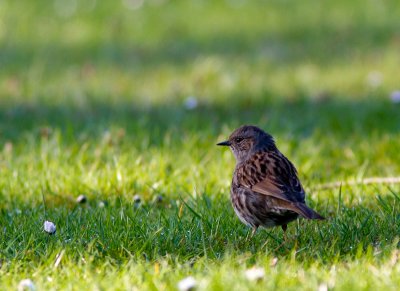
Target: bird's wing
[271, 173]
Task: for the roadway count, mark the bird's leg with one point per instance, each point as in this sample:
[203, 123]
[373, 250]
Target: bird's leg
[284, 228]
[250, 235]
[253, 232]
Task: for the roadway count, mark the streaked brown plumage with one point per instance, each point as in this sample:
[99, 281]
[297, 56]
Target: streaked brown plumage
[265, 189]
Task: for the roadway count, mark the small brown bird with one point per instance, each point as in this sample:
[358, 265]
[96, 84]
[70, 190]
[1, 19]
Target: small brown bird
[265, 189]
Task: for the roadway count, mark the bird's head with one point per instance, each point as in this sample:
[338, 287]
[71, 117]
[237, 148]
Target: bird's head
[247, 140]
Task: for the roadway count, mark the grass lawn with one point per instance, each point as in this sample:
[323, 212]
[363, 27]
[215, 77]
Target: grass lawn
[95, 99]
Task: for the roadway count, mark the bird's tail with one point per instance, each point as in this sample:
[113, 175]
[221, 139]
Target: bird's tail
[305, 211]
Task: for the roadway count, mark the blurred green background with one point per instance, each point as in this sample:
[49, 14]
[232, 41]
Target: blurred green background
[159, 52]
[176, 76]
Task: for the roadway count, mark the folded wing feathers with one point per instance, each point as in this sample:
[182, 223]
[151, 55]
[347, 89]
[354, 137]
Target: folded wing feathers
[285, 185]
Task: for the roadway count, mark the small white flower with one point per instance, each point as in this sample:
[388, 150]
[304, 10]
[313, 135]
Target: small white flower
[49, 227]
[189, 283]
[395, 96]
[191, 103]
[81, 199]
[26, 284]
[274, 261]
[323, 287]
[255, 274]
[137, 199]
[133, 4]
[374, 79]
[101, 204]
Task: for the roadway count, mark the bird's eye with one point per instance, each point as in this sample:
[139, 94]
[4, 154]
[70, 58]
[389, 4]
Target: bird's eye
[238, 139]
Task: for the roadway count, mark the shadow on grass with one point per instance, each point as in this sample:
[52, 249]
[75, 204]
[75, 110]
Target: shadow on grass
[337, 117]
[323, 44]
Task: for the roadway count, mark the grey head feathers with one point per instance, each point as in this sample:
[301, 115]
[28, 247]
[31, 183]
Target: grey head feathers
[247, 140]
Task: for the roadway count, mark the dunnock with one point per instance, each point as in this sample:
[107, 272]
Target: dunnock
[265, 189]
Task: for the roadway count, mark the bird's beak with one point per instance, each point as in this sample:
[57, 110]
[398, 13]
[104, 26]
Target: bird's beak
[224, 143]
